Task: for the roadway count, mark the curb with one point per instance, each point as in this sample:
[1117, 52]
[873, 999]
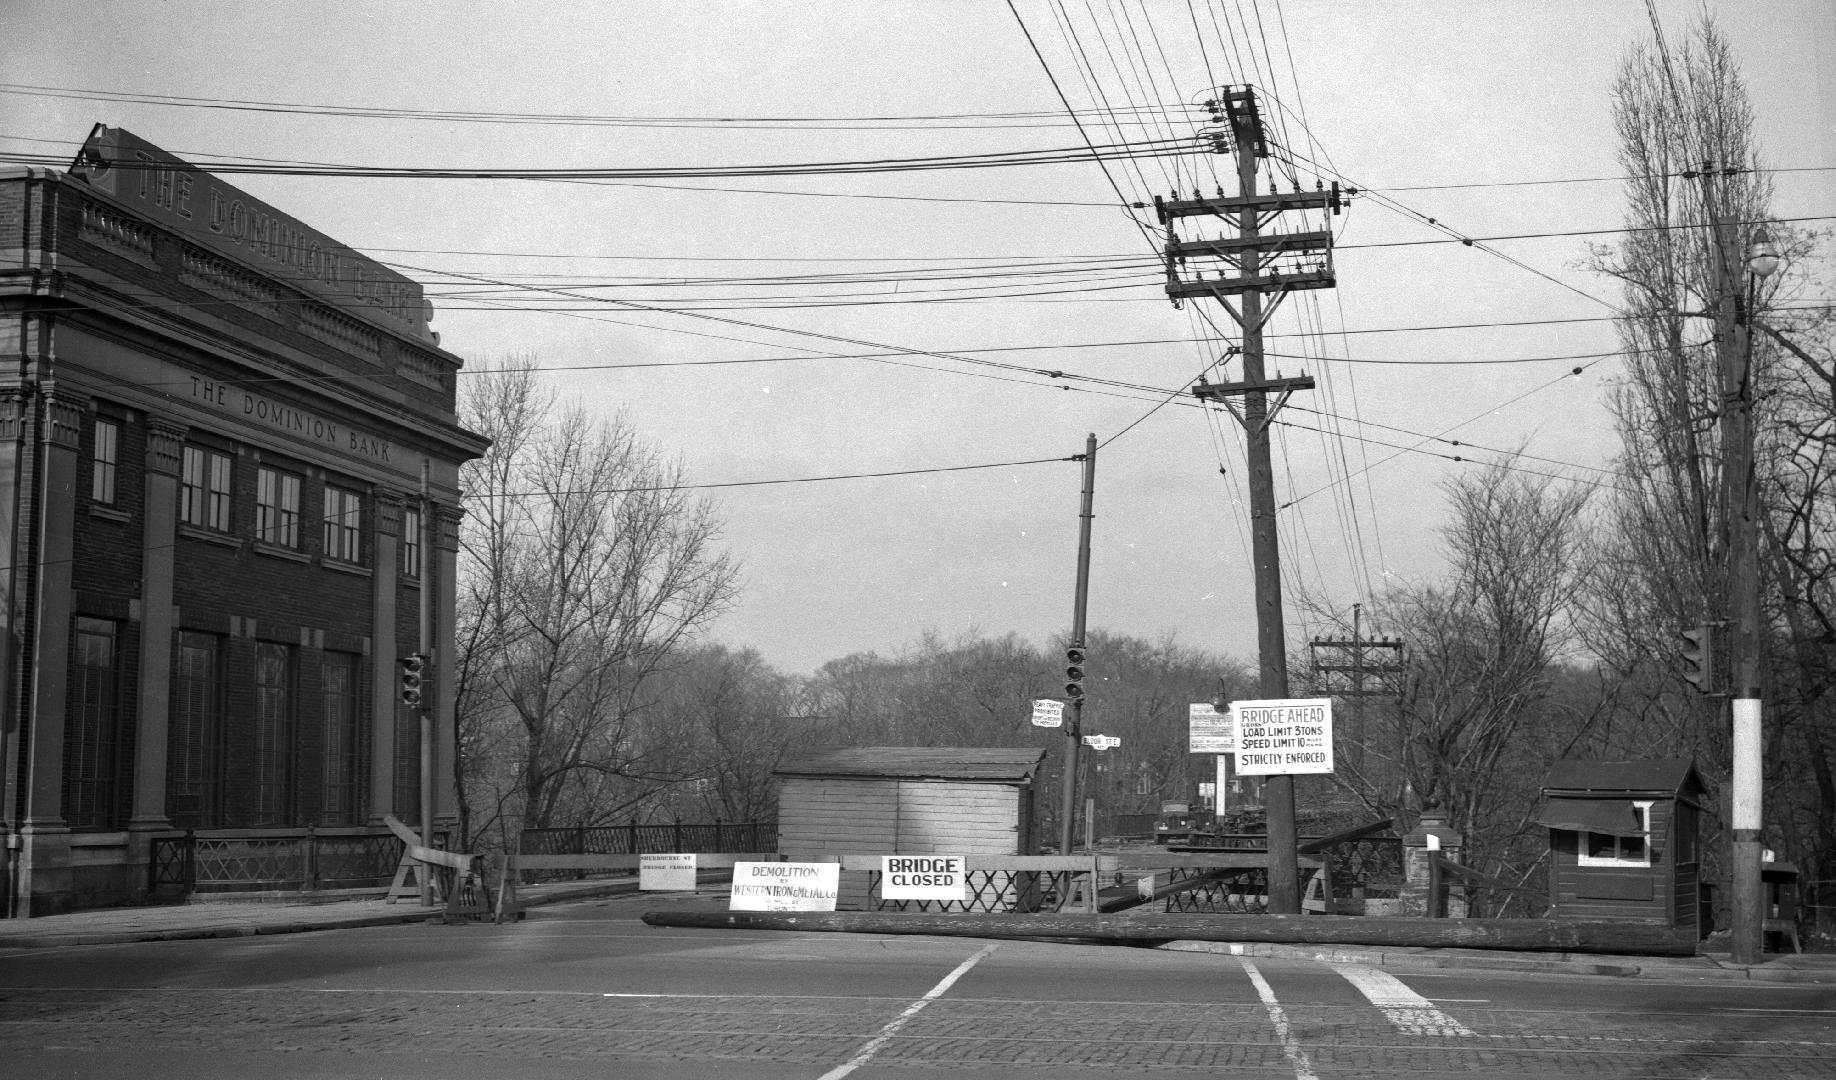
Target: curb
[1702, 968]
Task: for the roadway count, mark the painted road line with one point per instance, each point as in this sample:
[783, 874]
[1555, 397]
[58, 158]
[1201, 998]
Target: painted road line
[1412, 1013]
[1290, 1046]
[892, 1026]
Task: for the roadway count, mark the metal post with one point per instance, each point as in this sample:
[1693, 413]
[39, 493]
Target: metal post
[429, 686]
[1074, 723]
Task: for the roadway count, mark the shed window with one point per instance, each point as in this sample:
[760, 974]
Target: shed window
[1607, 849]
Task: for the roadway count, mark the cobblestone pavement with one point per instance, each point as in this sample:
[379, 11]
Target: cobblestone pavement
[1338, 1039]
[1030, 1010]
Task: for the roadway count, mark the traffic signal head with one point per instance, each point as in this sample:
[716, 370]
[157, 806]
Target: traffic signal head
[414, 669]
[1074, 672]
[1697, 651]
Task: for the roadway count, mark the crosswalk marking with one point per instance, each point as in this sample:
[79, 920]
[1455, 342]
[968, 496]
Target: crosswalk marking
[1290, 1046]
[1412, 1013]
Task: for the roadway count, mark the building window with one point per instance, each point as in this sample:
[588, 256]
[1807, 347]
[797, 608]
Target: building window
[343, 524]
[193, 731]
[204, 489]
[106, 456]
[92, 736]
[277, 508]
[411, 542]
[338, 802]
[1606, 849]
[271, 768]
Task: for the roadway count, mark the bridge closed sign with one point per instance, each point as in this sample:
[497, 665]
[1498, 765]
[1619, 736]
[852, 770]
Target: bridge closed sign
[1279, 738]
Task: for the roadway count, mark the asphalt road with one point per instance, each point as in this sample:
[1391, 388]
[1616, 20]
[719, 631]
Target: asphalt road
[586, 990]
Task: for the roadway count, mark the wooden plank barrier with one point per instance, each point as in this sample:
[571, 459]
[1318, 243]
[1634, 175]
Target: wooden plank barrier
[450, 875]
[508, 908]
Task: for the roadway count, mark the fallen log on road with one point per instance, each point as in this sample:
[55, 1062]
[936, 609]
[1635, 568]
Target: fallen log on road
[1529, 935]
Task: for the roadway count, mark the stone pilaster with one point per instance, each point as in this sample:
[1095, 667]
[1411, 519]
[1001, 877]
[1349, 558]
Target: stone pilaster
[44, 864]
[385, 576]
[159, 540]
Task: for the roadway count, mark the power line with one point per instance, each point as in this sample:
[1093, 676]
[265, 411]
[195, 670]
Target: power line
[372, 112]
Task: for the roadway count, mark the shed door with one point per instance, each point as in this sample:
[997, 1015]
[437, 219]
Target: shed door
[829, 816]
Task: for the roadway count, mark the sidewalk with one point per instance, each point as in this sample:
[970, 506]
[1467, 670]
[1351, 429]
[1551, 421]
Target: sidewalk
[248, 918]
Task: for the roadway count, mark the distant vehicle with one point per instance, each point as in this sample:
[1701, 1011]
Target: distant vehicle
[1177, 823]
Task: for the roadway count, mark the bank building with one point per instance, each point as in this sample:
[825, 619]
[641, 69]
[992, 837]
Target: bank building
[229, 511]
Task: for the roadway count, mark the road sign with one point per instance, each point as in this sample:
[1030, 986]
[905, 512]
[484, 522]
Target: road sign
[923, 877]
[1210, 731]
[666, 873]
[1102, 742]
[1048, 712]
[784, 886]
[1284, 737]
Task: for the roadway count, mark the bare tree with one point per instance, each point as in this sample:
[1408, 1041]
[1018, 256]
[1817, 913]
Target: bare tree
[1477, 709]
[1697, 193]
[585, 567]
[734, 719]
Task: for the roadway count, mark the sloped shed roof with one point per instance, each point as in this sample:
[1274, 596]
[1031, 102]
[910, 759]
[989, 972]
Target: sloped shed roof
[993, 764]
[1672, 776]
[1596, 796]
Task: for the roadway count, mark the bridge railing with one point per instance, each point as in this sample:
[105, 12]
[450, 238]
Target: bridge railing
[273, 860]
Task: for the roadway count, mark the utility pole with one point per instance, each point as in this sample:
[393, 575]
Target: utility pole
[1074, 655]
[1263, 264]
[1356, 658]
[1740, 502]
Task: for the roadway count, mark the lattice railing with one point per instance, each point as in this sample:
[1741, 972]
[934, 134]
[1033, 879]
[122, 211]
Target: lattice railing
[990, 890]
[1236, 891]
[274, 860]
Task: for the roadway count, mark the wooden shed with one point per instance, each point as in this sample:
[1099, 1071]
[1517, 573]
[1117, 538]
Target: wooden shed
[1623, 840]
[906, 800]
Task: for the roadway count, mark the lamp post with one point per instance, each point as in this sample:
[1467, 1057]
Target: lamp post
[1744, 613]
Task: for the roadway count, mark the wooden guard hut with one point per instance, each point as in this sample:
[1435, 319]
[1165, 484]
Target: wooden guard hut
[906, 800]
[1623, 840]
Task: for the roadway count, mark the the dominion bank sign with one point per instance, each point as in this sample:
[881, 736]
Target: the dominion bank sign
[229, 221]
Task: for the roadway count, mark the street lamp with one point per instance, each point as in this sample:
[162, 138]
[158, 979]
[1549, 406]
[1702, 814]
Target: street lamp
[1762, 254]
[1744, 613]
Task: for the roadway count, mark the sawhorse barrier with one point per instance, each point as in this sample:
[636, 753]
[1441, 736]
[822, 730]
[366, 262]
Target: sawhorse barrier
[450, 875]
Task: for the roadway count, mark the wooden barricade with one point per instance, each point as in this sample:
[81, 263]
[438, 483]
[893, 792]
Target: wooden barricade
[450, 875]
[508, 908]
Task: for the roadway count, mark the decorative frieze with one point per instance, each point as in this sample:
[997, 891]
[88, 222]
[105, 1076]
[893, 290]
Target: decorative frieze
[165, 446]
[448, 519]
[226, 281]
[388, 512]
[423, 368]
[341, 332]
[117, 232]
[64, 419]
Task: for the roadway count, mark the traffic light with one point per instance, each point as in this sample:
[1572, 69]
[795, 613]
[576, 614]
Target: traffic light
[1074, 672]
[414, 668]
[1698, 652]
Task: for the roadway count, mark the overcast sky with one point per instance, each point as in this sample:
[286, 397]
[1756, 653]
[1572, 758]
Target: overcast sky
[1447, 110]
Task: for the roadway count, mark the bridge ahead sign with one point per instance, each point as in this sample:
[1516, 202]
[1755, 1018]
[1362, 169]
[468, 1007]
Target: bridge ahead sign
[1278, 738]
